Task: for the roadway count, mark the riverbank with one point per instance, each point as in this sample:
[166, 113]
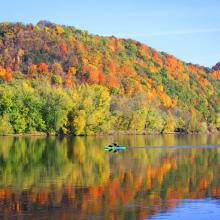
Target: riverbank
[43, 134]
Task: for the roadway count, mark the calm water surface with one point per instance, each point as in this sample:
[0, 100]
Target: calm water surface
[74, 178]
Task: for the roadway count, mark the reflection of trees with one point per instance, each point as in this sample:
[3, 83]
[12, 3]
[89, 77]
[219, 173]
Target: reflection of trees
[89, 163]
[40, 173]
[27, 162]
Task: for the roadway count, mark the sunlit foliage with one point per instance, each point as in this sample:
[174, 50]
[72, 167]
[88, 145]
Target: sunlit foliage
[69, 58]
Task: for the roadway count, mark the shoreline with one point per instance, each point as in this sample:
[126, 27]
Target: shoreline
[42, 134]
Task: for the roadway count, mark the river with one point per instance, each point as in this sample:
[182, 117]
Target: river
[172, 177]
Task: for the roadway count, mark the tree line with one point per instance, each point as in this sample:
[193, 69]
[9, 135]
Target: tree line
[30, 106]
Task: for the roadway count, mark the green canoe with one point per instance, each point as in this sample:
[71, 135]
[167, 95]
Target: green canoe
[110, 148]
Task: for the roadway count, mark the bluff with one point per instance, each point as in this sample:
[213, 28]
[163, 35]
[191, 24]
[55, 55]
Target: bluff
[154, 89]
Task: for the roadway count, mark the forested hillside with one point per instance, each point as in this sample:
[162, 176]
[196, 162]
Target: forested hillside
[58, 79]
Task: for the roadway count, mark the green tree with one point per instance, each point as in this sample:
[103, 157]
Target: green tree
[56, 105]
[90, 113]
[170, 124]
[5, 125]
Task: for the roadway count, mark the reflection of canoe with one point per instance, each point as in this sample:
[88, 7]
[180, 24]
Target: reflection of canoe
[110, 148]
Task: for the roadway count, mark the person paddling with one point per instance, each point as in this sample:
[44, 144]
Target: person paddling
[113, 147]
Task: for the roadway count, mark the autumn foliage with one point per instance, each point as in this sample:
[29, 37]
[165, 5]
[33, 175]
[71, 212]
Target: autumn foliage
[6, 73]
[69, 57]
[42, 67]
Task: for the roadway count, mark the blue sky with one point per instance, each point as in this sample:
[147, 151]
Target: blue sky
[188, 29]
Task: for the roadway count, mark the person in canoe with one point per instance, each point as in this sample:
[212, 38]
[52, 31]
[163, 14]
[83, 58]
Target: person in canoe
[113, 147]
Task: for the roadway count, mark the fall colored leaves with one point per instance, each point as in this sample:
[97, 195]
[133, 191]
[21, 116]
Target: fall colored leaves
[5, 73]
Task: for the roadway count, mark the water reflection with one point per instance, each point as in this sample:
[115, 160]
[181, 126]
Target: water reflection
[74, 178]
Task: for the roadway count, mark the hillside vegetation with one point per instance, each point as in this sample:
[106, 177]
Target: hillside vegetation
[58, 79]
